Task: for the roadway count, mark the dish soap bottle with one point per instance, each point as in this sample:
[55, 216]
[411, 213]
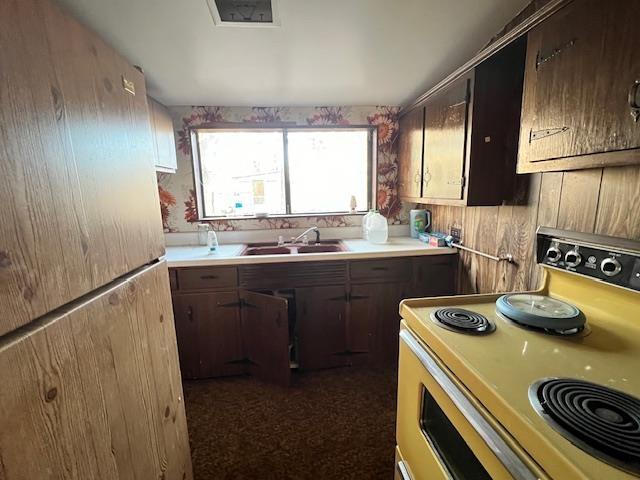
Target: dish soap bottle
[212, 241]
[377, 228]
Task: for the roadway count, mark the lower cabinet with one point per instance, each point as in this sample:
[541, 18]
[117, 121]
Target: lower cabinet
[231, 333]
[374, 321]
[265, 331]
[209, 333]
[321, 316]
[261, 319]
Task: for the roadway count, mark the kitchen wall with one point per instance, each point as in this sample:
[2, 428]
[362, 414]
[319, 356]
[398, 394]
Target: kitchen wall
[177, 196]
[605, 201]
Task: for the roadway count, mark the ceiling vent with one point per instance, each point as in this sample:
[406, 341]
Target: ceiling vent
[244, 13]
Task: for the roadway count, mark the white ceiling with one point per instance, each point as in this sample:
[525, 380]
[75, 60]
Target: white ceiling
[327, 52]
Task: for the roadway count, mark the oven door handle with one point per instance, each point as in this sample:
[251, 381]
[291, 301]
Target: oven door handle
[511, 461]
[403, 470]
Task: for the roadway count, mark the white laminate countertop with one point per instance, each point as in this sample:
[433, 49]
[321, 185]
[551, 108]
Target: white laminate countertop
[194, 256]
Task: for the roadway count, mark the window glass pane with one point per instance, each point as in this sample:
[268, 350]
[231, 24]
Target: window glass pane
[327, 167]
[242, 172]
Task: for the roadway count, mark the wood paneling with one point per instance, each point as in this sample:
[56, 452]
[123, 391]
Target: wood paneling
[568, 112]
[410, 143]
[600, 201]
[77, 187]
[619, 204]
[94, 392]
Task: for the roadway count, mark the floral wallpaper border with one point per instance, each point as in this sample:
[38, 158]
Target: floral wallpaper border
[177, 192]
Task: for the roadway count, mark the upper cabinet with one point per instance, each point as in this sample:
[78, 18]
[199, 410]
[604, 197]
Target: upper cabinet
[163, 136]
[459, 145]
[410, 142]
[445, 135]
[581, 102]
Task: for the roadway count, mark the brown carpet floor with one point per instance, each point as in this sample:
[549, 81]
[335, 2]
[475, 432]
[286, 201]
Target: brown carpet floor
[331, 424]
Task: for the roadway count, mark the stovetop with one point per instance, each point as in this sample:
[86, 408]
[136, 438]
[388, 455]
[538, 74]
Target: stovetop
[500, 368]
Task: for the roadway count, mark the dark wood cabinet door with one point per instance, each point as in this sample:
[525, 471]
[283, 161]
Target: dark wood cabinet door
[321, 327]
[434, 276]
[209, 334]
[374, 322]
[410, 151]
[445, 140]
[265, 332]
[581, 87]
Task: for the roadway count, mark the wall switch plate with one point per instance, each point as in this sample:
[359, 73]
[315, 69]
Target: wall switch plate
[456, 233]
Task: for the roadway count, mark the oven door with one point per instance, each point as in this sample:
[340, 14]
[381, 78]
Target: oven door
[442, 431]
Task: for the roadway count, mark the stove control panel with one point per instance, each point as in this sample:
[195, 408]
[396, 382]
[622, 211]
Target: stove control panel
[608, 259]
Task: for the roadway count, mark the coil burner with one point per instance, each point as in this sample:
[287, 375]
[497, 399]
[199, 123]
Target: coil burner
[462, 321]
[601, 421]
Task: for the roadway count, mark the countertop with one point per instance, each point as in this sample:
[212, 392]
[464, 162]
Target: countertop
[193, 256]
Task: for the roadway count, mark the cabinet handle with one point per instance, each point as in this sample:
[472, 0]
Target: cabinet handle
[208, 277]
[416, 178]
[426, 178]
[379, 269]
[190, 314]
[633, 104]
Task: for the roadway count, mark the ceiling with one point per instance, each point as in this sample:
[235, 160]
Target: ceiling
[326, 52]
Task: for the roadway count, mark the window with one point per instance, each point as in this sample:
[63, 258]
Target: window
[283, 171]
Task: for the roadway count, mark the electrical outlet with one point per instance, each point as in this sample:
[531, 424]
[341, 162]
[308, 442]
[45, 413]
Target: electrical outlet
[456, 233]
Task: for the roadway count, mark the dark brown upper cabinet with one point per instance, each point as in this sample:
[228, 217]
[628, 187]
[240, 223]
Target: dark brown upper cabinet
[581, 102]
[465, 153]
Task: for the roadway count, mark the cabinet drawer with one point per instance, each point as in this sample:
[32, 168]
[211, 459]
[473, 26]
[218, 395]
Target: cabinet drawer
[289, 275]
[173, 279]
[203, 278]
[396, 270]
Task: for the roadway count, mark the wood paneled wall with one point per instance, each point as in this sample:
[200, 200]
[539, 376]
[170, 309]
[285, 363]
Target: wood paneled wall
[603, 200]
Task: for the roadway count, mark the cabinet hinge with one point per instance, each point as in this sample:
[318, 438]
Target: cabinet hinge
[547, 132]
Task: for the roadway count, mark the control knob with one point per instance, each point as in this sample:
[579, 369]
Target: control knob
[573, 258]
[554, 254]
[610, 267]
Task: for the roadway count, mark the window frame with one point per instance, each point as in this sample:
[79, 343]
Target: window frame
[372, 177]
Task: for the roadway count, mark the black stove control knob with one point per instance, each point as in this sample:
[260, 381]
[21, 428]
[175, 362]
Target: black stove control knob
[572, 258]
[554, 254]
[610, 267]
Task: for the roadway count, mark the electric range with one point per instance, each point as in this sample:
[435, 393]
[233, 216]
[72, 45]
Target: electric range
[540, 385]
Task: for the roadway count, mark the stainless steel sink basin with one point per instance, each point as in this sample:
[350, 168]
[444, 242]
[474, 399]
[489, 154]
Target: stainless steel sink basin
[272, 248]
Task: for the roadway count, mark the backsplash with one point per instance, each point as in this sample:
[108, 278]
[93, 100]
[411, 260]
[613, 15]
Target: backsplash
[177, 193]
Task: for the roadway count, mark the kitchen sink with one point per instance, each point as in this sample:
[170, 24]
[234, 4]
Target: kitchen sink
[320, 248]
[272, 248]
[267, 251]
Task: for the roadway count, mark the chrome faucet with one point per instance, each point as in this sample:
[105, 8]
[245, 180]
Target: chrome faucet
[302, 235]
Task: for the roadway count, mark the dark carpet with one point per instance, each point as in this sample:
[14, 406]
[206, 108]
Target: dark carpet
[330, 424]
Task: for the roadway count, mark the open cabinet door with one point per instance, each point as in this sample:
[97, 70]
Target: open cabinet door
[265, 330]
